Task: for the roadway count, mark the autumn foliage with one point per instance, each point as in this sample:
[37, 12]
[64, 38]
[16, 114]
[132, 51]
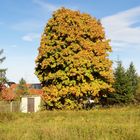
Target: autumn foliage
[73, 62]
[8, 94]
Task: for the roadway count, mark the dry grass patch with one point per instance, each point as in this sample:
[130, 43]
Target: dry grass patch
[99, 124]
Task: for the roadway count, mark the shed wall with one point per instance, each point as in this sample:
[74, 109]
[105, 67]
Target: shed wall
[37, 103]
[24, 104]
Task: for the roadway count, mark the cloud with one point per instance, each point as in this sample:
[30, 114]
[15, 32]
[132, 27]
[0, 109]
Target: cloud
[52, 7]
[31, 36]
[20, 66]
[123, 29]
[46, 5]
[28, 26]
[14, 46]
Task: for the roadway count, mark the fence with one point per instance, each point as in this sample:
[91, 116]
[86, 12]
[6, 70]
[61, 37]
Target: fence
[13, 106]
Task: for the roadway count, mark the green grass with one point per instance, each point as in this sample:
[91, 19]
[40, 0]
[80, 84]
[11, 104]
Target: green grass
[99, 124]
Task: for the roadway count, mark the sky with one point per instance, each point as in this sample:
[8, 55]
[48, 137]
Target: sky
[22, 22]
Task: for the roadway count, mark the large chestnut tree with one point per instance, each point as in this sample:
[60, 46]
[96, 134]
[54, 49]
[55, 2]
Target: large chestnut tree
[72, 63]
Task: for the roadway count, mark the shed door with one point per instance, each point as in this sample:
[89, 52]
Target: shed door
[30, 104]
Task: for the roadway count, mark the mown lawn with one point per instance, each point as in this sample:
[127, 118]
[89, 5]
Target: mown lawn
[98, 124]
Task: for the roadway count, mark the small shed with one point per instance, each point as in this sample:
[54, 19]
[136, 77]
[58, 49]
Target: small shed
[30, 103]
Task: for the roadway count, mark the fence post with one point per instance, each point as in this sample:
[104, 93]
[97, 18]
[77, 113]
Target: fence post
[11, 106]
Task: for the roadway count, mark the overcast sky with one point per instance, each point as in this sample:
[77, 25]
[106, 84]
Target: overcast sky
[22, 22]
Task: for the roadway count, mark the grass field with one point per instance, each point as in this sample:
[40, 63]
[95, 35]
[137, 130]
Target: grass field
[98, 124]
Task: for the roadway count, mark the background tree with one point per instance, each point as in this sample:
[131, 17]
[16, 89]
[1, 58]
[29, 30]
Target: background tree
[137, 94]
[73, 62]
[22, 88]
[125, 84]
[2, 72]
[133, 78]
